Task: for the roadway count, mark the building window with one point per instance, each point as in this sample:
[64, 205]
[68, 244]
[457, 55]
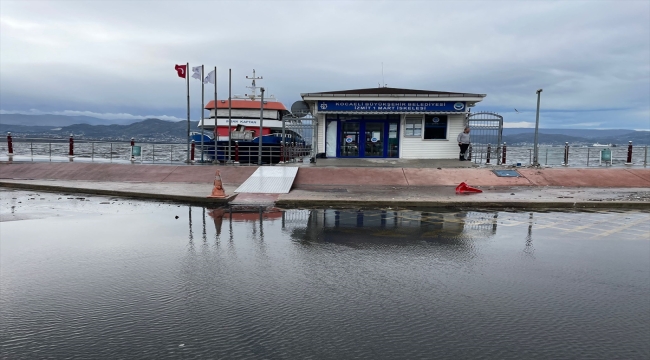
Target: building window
[413, 126]
[435, 127]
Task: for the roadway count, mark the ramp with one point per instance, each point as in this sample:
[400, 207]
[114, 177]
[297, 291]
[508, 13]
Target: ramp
[269, 180]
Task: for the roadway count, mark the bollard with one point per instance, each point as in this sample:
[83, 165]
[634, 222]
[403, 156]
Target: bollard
[132, 145]
[469, 153]
[10, 145]
[237, 152]
[566, 154]
[629, 154]
[192, 152]
[487, 155]
[71, 150]
[503, 157]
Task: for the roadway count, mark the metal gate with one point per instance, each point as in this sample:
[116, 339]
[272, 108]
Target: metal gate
[486, 130]
[305, 128]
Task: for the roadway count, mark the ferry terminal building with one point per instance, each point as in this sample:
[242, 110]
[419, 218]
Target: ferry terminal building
[388, 122]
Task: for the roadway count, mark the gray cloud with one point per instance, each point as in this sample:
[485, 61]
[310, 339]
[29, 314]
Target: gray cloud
[591, 58]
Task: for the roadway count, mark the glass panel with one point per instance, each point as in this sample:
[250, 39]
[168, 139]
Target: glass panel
[350, 139]
[374, 139]
[393, 140]
[435, 126]
[413, 127]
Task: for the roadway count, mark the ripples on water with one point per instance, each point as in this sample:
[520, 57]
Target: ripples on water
[95, 277]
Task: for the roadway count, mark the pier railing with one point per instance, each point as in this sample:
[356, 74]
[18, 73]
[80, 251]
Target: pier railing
[560, 155]
[47, 149]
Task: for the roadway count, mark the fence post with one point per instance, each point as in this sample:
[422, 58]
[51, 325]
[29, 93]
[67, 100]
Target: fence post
[503, 157]
[469, 153]
[92, 153]
[281, 153]
[588, 156]
[487, 155]
[10, 145]
[566, 154]
[629, 154]
[192, 152]
[645, 157]
[237, 152]
[132, 145]
[71, 150]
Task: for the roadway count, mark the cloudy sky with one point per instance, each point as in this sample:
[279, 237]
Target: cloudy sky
[115, 59]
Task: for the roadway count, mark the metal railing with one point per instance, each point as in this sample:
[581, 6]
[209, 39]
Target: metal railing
[251, 155]
[56, 149]
[47, 149]
[556, 155]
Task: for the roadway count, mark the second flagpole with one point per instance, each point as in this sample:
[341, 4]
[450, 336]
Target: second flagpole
[187, 78]
[202, 108]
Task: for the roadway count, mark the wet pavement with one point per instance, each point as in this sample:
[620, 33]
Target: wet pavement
[347, 186]
[112, 277]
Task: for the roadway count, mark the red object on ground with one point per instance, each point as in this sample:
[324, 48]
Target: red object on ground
[463, 188]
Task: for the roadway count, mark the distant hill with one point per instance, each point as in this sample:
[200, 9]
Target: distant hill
[57, 120]
[145, 130]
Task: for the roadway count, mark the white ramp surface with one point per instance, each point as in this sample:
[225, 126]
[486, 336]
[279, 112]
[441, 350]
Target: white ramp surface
[269, 180]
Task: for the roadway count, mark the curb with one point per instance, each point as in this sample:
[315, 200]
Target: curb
[130, 194]
[465, 204]
[347, 203]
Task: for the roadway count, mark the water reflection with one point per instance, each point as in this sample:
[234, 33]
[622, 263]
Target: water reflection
[363, 227]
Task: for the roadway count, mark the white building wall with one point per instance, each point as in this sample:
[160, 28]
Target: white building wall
[321, 133]
[418, 148]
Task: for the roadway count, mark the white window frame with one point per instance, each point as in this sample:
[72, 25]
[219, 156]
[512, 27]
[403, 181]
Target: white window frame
[413, 121]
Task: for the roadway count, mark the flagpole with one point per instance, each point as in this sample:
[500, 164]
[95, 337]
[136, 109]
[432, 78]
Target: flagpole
[229, 113]
[216, 135]
[202, 108]
[215, 104]
[187, 78]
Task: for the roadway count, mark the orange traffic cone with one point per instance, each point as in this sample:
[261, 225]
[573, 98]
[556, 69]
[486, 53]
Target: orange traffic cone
[463, 188]
[217, 190]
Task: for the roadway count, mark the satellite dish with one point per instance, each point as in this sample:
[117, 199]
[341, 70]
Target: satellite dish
[300, 109]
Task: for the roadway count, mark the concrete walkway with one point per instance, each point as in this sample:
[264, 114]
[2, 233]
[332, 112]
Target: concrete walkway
[346, 186]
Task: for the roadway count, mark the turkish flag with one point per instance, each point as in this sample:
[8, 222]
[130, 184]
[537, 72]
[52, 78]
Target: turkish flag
[181, 70]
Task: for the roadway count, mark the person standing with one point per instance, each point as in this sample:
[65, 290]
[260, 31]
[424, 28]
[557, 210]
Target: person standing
[463, 143]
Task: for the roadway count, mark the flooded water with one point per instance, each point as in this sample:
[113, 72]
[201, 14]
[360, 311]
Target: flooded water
[98, 277]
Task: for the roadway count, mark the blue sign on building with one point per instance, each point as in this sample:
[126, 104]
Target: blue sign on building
[391, 106]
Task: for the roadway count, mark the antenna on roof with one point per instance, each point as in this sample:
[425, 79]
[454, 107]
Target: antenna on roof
[382, 74]
[253, 87]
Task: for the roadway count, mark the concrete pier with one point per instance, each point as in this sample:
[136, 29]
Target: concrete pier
[347, 186]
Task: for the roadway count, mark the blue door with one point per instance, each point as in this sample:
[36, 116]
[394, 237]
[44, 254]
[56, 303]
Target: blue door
[361, 139]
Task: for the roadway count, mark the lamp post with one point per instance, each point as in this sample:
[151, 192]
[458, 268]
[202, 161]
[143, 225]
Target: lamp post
[535, 146]
[259, 146]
